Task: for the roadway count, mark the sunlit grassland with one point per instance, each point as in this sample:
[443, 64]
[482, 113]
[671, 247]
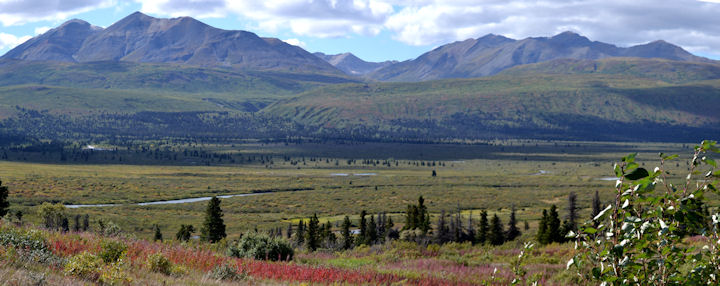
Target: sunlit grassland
[472, 177]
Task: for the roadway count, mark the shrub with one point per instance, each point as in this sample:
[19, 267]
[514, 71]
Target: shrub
[84, 265]
[114, 274]
[638, 239]
[158, 263]
[112, 250]
[261, 246]
[227, 272]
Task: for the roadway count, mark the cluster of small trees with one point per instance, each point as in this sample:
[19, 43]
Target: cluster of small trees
[373, 230]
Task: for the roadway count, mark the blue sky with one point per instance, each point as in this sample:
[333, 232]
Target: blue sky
[378, 30]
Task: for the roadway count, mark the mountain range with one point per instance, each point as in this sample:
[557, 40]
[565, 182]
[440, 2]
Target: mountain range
[166, 75]
[352, 65]
[492, 54]
[144, 39]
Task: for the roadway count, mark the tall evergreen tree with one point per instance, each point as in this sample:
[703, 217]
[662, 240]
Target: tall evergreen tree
[496, 236]
[213, 228]
[363, 236]
[572, 213]
[300, 233]
[312, 236]
[77, 226]
[442, 234]
[86, 222]
[4, 204]
[372, 234]
[289, 231]
[595, 205]
[512, 232]
[328, 234]
[553, 226]
[470, 229]
[542, 236]
[158, 234]
[482, 234]
[346, 234]
[526, 226]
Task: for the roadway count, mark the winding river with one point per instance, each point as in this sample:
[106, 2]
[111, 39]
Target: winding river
[180, 201]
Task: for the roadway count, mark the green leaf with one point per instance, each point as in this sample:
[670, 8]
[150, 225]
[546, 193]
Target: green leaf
[670, 157]
[629, 158]
[637, 174]
[589, 230]
[710, 162]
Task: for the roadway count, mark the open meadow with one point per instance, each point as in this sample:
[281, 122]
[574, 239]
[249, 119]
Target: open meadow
[333, 180]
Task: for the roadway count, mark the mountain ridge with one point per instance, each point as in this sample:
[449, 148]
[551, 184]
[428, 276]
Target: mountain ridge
[142, 38]
[491, 54]
[351, 64]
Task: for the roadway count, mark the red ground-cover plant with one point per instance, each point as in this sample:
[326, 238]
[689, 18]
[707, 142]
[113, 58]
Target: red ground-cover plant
[66, 245]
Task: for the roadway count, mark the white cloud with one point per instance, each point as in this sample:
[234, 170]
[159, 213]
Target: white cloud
[295, 42]
[689, 23]
[194, 8]
[9, 41]
[41, 30]
[316, 18]
[17, 12]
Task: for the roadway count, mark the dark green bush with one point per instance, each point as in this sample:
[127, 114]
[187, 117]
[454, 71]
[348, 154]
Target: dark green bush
[112, 250]
[261, 247]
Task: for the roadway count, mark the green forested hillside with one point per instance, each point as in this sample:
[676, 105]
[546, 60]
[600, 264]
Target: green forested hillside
[612, 99]
[582, 106]
[660, 69]
[136, 87]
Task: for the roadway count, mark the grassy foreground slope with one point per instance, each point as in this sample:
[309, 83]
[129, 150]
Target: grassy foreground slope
[612, 106]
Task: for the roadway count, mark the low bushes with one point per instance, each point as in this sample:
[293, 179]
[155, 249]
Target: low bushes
[261, 247]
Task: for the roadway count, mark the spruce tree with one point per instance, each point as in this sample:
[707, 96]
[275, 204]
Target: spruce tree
[312, 236]
[346, 234]
[86, 222]
[442, 235]
[300, 233]
[572, 213]
[289, 231]
[362, 237]
[213, 228]
[77, 226]
[512, 232]
[595, 205]
[158, 234]
[526, 225]
[328, 234]
[542, 236]
[372, 234]
[553, 226]
[496, 236]
[4, 204]
[482, 233]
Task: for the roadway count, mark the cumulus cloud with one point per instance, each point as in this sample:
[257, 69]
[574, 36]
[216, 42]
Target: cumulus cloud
[16, 12]
[690, 23]
[295, 42]
[316, 18]
[194, 8]
[41, 30]
[9, 41]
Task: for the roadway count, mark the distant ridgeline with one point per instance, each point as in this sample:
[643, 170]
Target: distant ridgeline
[144, 78]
